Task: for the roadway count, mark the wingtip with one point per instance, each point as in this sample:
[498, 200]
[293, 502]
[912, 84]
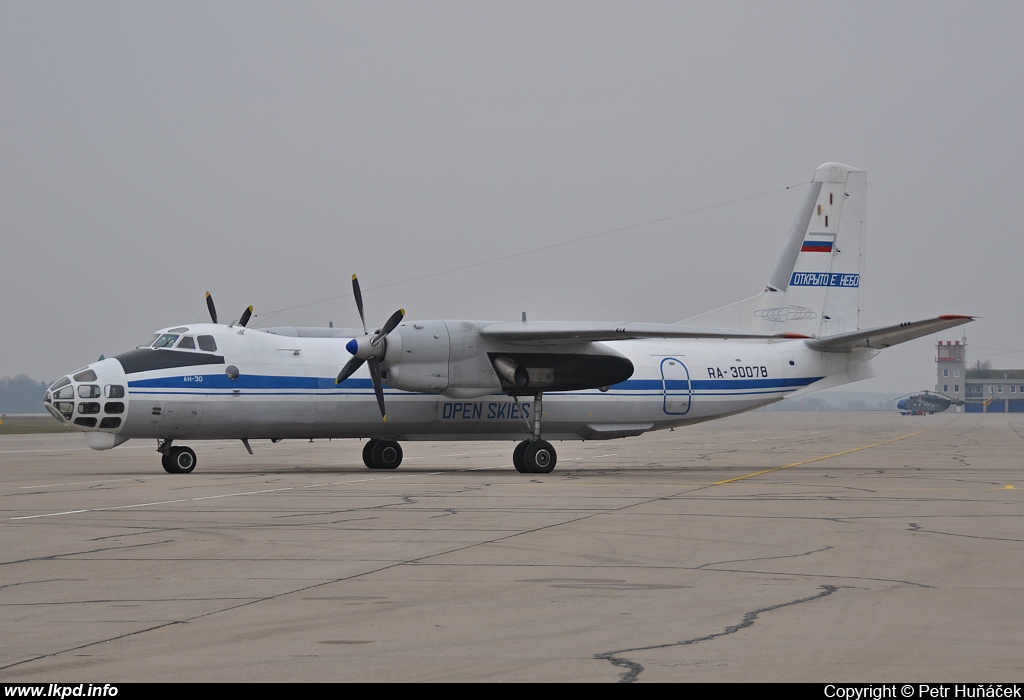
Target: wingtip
[953, 317]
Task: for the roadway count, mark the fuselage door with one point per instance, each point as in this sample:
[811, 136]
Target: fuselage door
[675, 382]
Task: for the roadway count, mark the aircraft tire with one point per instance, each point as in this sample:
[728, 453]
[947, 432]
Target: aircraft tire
[368, 452]
[539, 457]
[517, 457]
[386, 454]
[181, 460]
[165, 460]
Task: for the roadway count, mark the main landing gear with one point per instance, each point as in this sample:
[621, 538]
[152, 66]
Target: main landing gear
[176, 460]
[535, 456]
[382, 454]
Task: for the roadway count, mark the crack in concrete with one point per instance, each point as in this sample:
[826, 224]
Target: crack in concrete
[88, 551]
[28, 583]
[635, 668]
[914, 527]
[779, 556]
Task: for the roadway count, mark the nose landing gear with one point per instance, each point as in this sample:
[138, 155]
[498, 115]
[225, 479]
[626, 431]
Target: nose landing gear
[176, 460]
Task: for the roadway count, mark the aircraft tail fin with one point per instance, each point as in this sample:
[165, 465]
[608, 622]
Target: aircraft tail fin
[815, 289]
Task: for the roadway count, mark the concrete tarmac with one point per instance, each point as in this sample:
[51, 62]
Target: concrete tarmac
[772, 546]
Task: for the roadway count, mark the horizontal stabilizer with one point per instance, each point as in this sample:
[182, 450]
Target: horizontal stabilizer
[555, 331]
[887, 336]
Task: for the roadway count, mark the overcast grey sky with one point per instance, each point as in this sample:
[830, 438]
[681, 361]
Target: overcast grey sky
[266, 151]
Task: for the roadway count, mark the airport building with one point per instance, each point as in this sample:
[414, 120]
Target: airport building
[1005, 387]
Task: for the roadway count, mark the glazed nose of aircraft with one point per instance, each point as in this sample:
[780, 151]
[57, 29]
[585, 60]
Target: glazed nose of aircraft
[94, 398]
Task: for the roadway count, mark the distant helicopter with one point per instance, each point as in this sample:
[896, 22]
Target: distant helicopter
[929, 402]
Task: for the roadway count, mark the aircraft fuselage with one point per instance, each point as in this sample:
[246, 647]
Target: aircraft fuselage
[260, 385]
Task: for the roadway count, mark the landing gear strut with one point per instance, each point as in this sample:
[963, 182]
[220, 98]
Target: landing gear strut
[535, 456]
[176, 460]
[382, 454]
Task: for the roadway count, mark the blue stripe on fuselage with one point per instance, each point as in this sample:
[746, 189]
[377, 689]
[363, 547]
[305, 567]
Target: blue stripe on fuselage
[212, 382]
[247, 381]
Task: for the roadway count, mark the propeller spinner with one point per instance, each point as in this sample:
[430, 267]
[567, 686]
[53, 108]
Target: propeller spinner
[370, 348]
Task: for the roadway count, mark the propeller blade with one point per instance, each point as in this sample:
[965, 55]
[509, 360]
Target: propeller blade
[390, 324]
[359, 302]
[211, 307]
[350, 367]
[378, 387]
[246, 315]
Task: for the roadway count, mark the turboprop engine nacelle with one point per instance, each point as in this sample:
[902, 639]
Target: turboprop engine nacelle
[442, 357]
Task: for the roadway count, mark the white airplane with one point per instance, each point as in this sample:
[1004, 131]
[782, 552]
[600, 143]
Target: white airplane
[500, 380]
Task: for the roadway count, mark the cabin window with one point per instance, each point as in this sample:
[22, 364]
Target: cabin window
[165, 341]
[187, 343]
[207, 343]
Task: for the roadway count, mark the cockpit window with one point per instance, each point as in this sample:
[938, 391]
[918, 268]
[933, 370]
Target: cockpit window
[165, 341]
[187, 343]
[63, 381]
[85, 376]
[65, 392]
[149, 342]
[206, 342]
[114, 391]
[88, 391]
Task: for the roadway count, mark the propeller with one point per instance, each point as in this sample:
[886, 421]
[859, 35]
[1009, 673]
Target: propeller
[246, 315]
[211, 307]
[370, 348]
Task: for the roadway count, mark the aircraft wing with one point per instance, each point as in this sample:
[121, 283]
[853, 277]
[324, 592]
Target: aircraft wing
[886, 336]
[554, 331]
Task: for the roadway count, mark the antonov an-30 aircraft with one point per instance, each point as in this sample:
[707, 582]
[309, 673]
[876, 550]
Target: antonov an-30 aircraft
[532, 382]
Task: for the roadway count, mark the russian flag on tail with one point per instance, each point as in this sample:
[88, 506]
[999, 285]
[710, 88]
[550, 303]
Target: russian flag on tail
[816, 247]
